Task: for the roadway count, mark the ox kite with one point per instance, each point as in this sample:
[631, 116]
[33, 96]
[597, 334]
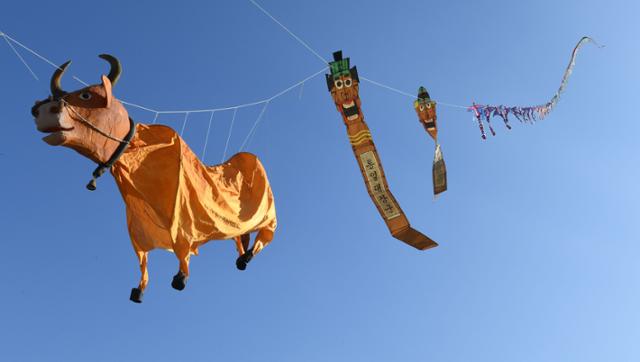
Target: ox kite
[173, 200]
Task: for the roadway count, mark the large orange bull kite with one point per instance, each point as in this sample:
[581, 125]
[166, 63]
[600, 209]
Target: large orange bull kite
[343, 84]
[173, 200]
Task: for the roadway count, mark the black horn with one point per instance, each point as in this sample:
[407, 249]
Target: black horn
[116, 68]
[56, 89]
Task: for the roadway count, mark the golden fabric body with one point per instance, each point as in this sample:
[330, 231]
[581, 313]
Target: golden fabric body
[175, 202]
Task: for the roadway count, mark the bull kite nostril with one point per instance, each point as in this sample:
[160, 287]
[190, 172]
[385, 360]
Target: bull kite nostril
[54, 109]
[35, 110]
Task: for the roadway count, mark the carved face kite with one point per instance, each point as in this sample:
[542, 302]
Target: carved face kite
[343, 85]
[426, 109]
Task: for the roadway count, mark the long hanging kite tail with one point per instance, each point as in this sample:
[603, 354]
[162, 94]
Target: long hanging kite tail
[567, 73]
[530, 113]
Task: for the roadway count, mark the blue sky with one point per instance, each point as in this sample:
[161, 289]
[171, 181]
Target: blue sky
[538, 232]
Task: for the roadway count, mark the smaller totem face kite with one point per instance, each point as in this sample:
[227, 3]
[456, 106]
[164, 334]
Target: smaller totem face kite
[343, 85]
[426, 109]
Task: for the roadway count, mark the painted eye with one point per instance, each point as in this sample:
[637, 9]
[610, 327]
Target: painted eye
[422, 107]
[428, 105]
[85, 96]
[338, 83]
[347, 82]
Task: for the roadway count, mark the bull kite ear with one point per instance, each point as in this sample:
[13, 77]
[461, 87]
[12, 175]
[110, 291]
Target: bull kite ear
[106, 83]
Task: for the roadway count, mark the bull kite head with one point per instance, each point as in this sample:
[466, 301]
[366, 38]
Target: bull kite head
[343, 84]
[86, 120]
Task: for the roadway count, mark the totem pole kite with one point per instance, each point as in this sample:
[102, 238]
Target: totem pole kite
[426, 110]
[343, 85]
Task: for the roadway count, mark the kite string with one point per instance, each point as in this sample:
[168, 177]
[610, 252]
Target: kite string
[226, 146]
[297, 84]
[19, 56]
[148, 109]
[549, 105]
[206, 139]
[255, 124]
[235, 108]
[324, 60]
[412, 96]
[387, 87]
[184, 123]
[290, 32]
[6, 36]
[139, 107]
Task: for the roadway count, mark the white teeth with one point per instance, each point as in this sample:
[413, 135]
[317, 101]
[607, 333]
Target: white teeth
[351, 118]
[348, 105]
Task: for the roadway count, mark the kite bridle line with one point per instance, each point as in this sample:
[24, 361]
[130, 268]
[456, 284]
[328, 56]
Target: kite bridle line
[58, 95]
[123, 143]
[64, 103]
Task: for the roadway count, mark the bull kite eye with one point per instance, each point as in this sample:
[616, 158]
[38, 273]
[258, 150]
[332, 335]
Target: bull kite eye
[85, 96]
[347, 82]
[338, 83]
[422, 107]
[428, 105]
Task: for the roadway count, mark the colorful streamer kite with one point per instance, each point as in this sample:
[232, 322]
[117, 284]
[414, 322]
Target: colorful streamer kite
[528, 114]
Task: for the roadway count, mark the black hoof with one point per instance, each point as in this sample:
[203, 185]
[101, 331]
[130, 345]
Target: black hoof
[244, 259]
[241, 264]
[136, 295]
[179, 281]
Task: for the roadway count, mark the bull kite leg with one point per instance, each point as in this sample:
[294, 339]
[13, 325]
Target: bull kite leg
[264, 237]
[182, 250]
[242, 243]
[137, 293]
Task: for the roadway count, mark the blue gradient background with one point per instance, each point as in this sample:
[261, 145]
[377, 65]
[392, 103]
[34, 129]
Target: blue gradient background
[538, 233]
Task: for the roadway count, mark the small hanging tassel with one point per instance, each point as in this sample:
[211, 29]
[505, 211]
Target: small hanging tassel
[439, 172]
[91, 186]
[478, 117]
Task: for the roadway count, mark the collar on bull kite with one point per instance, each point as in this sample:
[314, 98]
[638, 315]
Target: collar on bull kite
[102, 167]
